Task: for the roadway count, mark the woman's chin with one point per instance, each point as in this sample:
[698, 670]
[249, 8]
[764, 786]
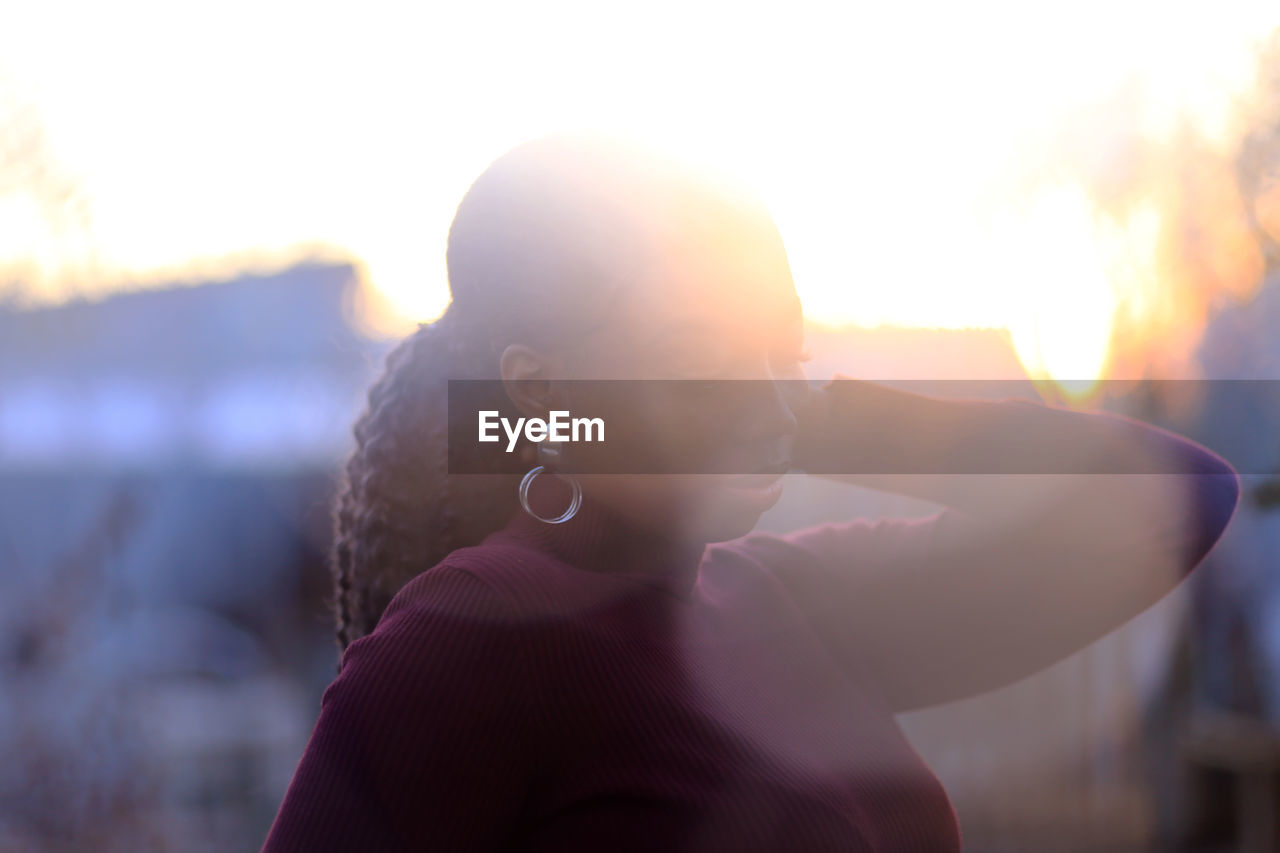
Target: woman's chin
[734, 508]
[757, 498]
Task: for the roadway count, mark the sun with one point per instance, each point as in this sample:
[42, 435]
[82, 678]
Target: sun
[880, 137]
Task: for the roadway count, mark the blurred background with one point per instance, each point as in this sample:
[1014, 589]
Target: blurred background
[215, 220]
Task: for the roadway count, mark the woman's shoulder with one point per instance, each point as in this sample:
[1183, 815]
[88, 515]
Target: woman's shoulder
[452, 622]
[444, 606]
[496, 584]
[445, 661]
[533, 584]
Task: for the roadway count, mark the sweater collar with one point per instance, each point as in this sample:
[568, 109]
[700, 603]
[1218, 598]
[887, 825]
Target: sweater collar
[599, 539]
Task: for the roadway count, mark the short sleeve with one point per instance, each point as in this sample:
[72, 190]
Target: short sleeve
[426, 739]
[836, 574]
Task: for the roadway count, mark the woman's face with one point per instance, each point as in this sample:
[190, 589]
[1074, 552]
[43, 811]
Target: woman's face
[711, 315]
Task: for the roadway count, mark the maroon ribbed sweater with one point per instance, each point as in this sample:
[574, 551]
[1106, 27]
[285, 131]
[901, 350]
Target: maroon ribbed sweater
[585, 687]
[558, 689]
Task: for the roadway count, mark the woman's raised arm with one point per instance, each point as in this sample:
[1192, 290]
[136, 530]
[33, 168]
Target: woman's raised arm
[1059, 527]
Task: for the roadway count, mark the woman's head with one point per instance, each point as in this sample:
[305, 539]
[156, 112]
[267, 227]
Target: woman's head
[580, 257]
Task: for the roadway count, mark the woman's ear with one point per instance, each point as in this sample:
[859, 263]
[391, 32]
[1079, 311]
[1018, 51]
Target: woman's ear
[526, 376]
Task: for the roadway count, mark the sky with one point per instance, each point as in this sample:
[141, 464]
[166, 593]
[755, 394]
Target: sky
[923, 161]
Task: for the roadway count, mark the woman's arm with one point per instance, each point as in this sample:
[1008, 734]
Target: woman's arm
[1059, 527]
[424, 741]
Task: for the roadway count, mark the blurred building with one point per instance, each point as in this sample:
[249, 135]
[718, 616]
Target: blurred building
[166, 461]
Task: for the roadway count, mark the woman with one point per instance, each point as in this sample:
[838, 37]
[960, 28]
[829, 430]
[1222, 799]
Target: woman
[612, 661]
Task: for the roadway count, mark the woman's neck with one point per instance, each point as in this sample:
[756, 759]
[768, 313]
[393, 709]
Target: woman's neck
[598, 538]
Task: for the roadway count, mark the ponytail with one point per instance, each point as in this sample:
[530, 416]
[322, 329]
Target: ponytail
[397, 512]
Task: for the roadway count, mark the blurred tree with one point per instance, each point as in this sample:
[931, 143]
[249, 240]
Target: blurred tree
[31, 172]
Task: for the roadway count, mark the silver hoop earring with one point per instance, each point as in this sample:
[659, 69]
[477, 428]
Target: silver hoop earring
[574, 502]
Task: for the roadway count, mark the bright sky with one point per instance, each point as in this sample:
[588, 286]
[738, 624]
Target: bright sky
[882, 136]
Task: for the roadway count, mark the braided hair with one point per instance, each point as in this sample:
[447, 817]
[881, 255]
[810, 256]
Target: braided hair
[394, 515]
[538, 250]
